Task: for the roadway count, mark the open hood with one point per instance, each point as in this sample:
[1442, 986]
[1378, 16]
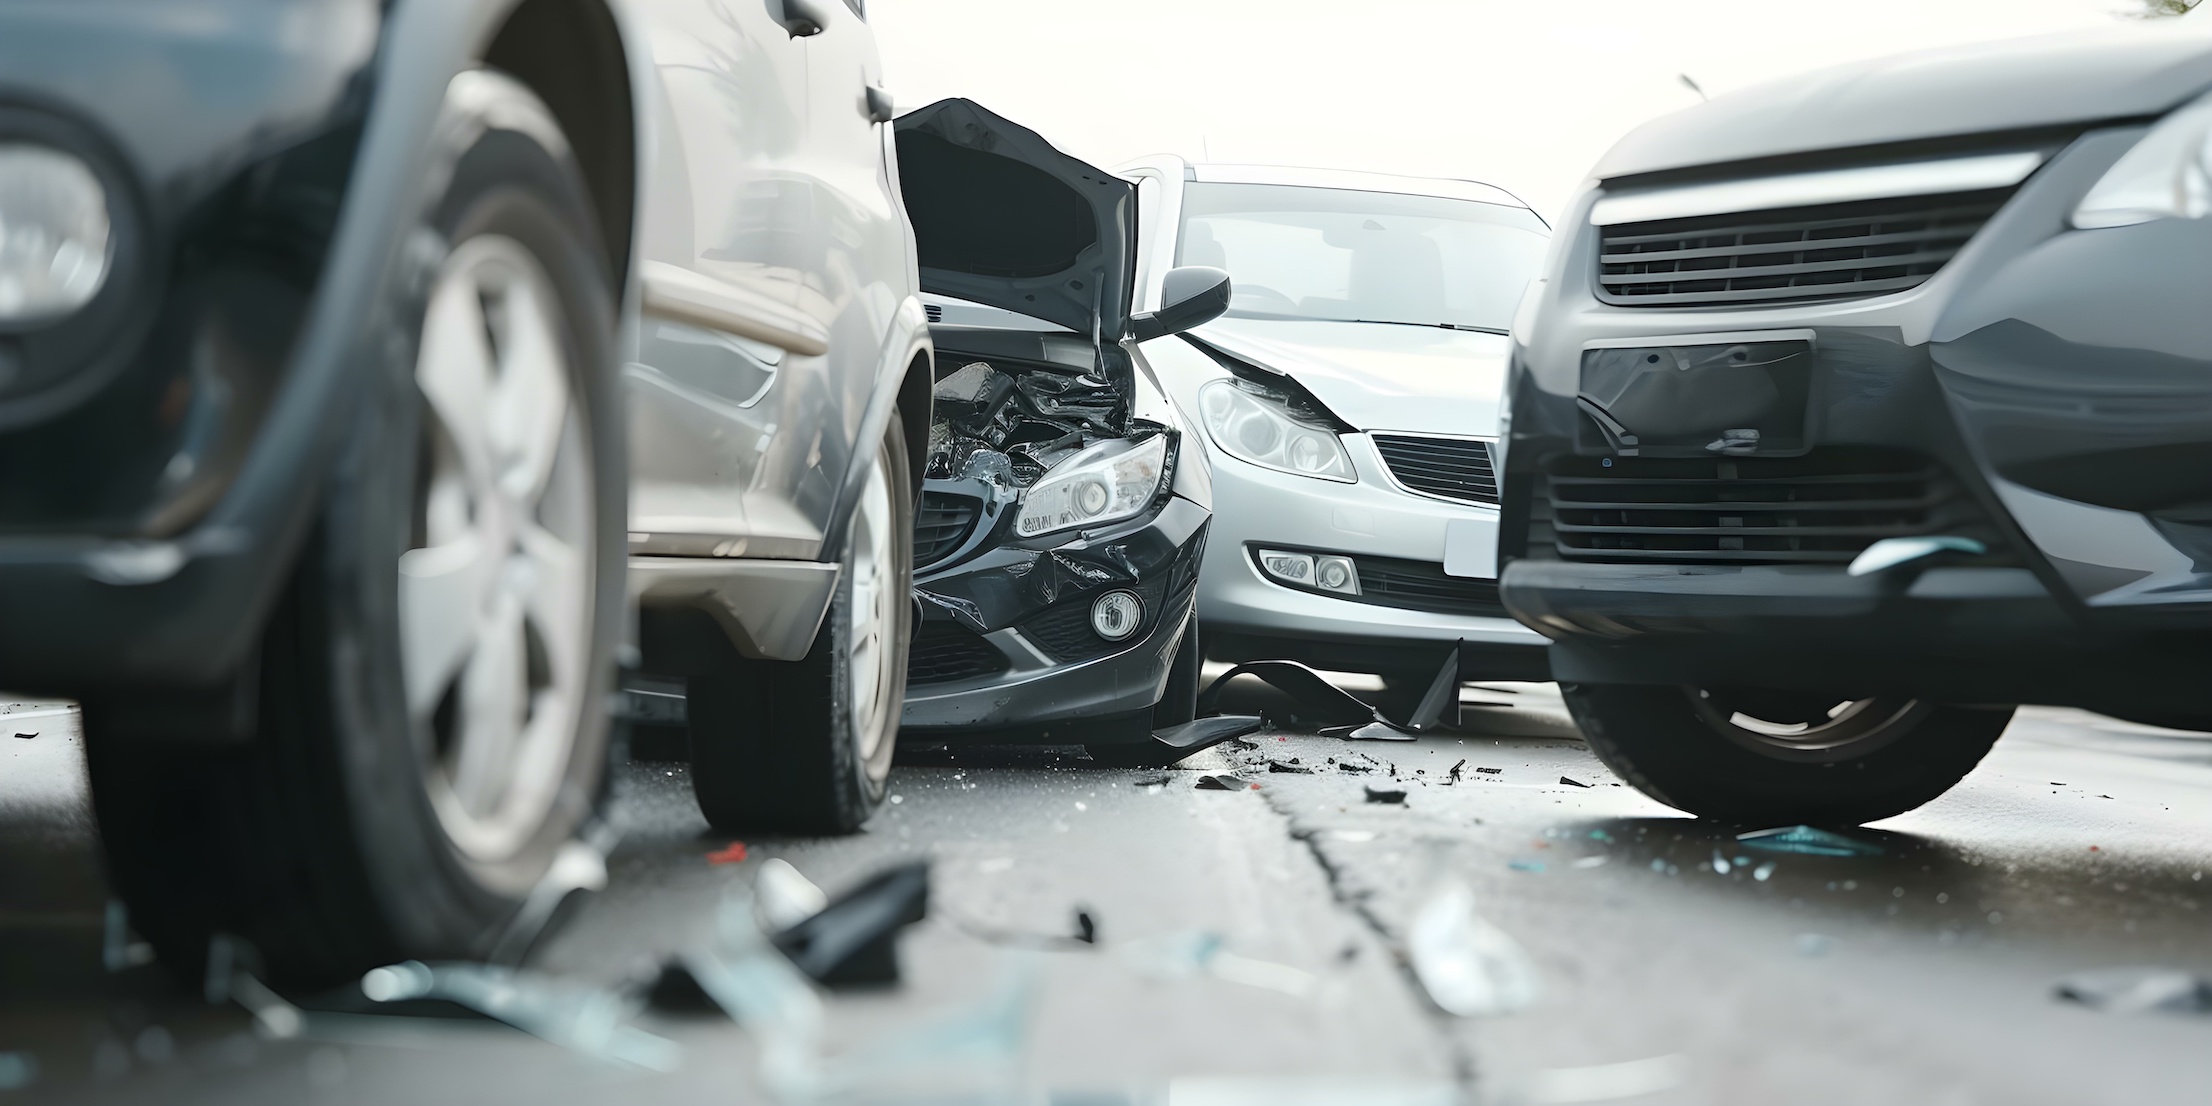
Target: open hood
[1002, 218]
[1378, 376]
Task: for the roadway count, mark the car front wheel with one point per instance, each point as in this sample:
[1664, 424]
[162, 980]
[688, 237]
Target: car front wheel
[429, 696]
[1755, 756]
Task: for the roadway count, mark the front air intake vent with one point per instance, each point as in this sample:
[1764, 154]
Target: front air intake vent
[936, 312]
[1831, 251]
[1450, 468]
[942, 652]
[1824, 508]
[942, 526]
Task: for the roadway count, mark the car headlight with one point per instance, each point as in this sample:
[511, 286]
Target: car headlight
[54, 243]
[1258, 426]
[1105, 483]
[2166, 175]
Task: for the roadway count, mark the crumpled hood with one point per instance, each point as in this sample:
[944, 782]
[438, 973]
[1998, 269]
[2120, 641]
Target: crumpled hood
[2052, 80]
[1378, 376]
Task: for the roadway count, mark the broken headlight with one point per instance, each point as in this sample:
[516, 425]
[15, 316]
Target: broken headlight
[54, 251]
[2167, 174]
[1256, 425]
[1107, 482]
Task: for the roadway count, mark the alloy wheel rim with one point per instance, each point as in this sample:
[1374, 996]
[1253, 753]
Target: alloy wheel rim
[495, 588]
[870, 616]
[1822, 728]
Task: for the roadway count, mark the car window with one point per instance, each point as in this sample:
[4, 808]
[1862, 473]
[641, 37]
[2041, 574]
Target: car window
[1330, 253]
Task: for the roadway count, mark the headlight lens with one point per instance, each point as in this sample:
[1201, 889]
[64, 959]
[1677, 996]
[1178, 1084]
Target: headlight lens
[54, 249]
[2167, 175]
[1108, 482]
[1258, 427]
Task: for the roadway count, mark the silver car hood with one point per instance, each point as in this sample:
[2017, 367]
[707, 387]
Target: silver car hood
[2020, 84]
[1378, 376]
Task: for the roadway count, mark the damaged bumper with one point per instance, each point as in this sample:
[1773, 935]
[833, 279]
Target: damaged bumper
[1006, 640]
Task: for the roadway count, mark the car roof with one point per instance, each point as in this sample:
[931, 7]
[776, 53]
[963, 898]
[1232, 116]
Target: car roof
[1227, 173]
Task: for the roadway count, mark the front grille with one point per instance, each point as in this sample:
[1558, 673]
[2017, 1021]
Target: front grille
[1822, 508]
[1454, 468]
[942, 525]
[1063, 630]
[945, 651]
[1423, 586]
[1831, 251]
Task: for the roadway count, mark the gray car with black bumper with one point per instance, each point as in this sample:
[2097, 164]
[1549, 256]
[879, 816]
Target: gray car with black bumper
[1063, 515]
[1854, 410]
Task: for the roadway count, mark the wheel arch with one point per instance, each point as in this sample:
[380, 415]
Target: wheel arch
[571, 53]
[915, 413]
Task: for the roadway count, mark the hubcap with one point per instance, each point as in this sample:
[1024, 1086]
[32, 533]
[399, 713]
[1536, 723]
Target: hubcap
[870, 616]
[1805, 725]
[495, 590]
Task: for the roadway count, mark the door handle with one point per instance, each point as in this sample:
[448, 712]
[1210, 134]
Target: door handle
[799, 17]
[876, 105]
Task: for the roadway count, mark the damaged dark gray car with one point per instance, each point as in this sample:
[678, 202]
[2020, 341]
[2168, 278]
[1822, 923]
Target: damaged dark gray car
[1061, 522]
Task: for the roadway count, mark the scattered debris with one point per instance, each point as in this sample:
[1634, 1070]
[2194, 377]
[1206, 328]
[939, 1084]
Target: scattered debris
[1156, 781]
[1331, 704]
[1525, 865]
[852, 941]
[1490, 771]
[1720, 863]
[1607, 1082]
[732, 853]
[1386, 795]
[1453, 775]
[1572, 782]
[1807, 841]
[782, 898]
[1380, 731]
[1348, 766]
[1763, 872]
[1083, 937]
[583, 1019]
[1292, 769]
[26, 737]
[1223, 782]
[1469, 967]
[2138, 991]
[1205, 733]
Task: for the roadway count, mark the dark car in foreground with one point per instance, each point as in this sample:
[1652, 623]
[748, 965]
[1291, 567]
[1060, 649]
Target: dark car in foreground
[1062, 519]
[1854, 410]
[314, 479]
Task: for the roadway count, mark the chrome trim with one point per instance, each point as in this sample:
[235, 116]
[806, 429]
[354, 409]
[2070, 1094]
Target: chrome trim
[1722, 338]
[1873, 182]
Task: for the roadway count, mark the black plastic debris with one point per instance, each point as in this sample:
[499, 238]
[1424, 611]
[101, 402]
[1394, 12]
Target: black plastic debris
[676, 991]
[27, 736]
[1386, 795]
[2138, 991]
[1223, 782]
[1331, 704]
[1083, 934]
[1181, 741]
[1380, 731]
[1807, 841]
[852, 942]
[1453, 775]
[1348, 766]
[1490, 771]
[1294, 769]
[1572, 782]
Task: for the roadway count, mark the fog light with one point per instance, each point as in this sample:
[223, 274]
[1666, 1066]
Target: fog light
[1313, 571]
[1117, 614]
[54, 251]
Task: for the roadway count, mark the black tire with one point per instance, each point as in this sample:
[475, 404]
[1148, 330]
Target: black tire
[1684, 748]
[1178, 704]
[318, 839]
[775, 745]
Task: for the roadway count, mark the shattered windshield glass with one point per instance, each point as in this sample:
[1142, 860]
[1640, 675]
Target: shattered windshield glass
[1294, 252]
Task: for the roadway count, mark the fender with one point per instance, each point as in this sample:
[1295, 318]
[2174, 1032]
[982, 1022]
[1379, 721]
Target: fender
[187, 612]
[907, 340]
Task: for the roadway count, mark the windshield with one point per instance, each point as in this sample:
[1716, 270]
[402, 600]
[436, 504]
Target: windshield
[1331, 253]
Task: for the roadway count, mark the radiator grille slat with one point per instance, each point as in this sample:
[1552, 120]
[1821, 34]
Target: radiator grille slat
[1453, 468]
[1830, 251]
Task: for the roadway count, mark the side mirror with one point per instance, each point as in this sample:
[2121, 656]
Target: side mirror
[1189, 296]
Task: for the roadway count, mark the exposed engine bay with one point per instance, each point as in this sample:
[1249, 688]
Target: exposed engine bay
[1007, 423]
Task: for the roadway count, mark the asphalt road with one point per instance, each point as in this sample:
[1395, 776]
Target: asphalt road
[1253, 944]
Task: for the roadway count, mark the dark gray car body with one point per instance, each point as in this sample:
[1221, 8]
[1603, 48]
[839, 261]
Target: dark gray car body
[2046, 390]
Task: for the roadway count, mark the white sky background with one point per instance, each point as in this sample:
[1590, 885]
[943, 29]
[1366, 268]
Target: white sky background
[1524, 94]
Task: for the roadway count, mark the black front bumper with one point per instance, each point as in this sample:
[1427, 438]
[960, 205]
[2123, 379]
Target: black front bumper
[1004, 646]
